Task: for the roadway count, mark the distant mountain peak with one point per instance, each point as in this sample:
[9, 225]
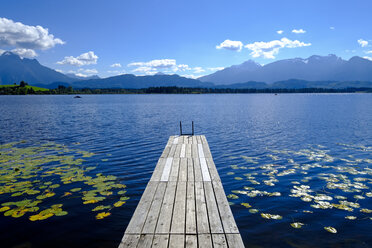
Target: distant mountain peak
[313, 68]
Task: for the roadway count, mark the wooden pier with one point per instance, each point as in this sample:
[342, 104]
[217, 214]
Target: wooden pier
[184, 204]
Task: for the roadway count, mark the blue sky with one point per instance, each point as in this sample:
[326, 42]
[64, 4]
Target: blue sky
[191, 38]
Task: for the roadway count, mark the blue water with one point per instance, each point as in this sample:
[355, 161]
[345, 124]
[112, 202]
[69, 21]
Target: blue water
[135, 129]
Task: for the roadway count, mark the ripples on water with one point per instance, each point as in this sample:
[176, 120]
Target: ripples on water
[135, 129]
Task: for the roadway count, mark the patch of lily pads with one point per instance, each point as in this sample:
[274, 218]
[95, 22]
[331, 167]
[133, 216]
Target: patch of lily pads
[31, 178]
[322, 181]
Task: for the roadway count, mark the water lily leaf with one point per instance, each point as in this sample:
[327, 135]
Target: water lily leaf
[67, 194]
[247, 205]
[238, 178]
[330, 229]
[350, 217]
[119, 203]
[253, 210]
[232, 196]
[100, 208]
[366, 210]
[75, 189]
[3, 209]
[90, 201]
[297, 224]
[102, 215]
[61, 213]
[124, 198]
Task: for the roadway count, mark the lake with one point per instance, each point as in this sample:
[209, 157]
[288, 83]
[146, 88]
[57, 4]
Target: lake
[300, 159]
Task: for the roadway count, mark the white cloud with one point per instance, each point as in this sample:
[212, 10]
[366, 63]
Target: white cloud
[115, 65]
[231, 45]
[216, 68]
[183, 67]
[269, 49]
[59, 70]
[19, 35]
[156, 63]
[298, 31]
[2, 51]
[332, 28]
[198, 69]
[368, 52]
[145, 70]
[280, 31]
[366, 57]
[24, 52]
[363, 43]
[83, 59]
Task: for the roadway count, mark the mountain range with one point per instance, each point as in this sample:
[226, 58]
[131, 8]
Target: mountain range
[314, 68]
[314, 72]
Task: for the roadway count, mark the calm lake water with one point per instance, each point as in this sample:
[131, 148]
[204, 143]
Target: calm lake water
[301, 158]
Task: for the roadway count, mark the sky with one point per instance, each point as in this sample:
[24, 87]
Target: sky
[190, 38]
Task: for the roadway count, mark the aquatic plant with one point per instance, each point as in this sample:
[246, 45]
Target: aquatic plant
[35, 176]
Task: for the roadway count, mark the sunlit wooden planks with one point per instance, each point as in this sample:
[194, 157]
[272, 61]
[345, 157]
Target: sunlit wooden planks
[184, 204]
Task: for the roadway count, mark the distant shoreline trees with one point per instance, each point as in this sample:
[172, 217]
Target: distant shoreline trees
[25, 89]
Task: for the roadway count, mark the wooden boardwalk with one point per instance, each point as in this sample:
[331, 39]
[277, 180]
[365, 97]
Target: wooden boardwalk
[184, 204]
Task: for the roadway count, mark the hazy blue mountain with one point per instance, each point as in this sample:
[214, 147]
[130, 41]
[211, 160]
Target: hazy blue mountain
[130, 81]
[314, 68]
[74, 76]
[300, 84]
[14, 69]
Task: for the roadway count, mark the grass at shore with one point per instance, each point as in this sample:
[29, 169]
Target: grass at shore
[27, 86]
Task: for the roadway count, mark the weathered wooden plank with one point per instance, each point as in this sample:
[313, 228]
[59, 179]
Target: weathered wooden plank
[201, 151]
[145, 240]
[172, 151]
[184, 203]
[188, 151]
[138, 219]
[160, 241]
[197, 170]
[204, 169]
[212, 169]
[179, 212]
[227, 218]
[176, 241]
[201, 209]
[177, 153]
[191, 241]
[153, 215]
[190, 170]
[166, 170]
[182, 174]
[213, 213]
[194, 151]
[158, 171]
[166, 211]
[173, 176]
[205, 241]
[183, 151]
[234, 240]
[190, 209]
[207, 152]
[170, 140]
[219, 241]
[166, 151]
[129, 240]
[175, 140]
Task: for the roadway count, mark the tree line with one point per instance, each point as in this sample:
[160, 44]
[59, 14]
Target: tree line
[22, 89]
